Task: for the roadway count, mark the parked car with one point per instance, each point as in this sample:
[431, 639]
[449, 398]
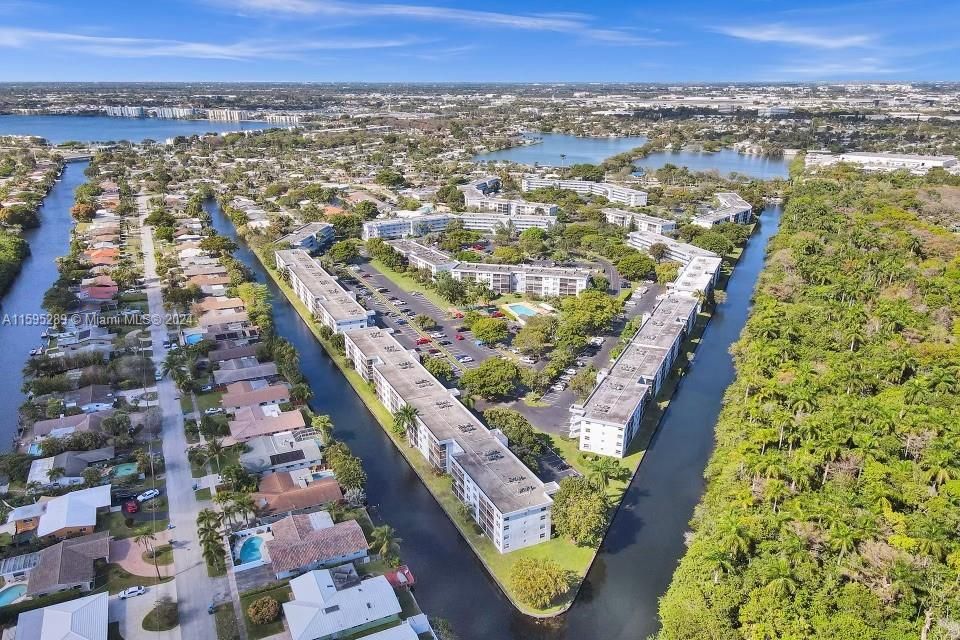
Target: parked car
[459, 336]
[206, 387]
[415, 293]
[433, 352]
[438, 334]
[461, 329]
[496, 314]
[131, 506]
[132, 591]
[368, 275]
[148, 495]
[423, 340]
[479, 343]
[571, 372]
[559, 387]
[528, 360]
[465, 358]
[212, 411]
[158, 376]
[382, 289]
[445, 342]
[401, 321]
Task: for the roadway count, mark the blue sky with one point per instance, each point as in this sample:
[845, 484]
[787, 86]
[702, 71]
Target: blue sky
[451, 41]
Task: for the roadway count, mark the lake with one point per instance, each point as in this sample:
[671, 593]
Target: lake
[594, 150]
[57, 129]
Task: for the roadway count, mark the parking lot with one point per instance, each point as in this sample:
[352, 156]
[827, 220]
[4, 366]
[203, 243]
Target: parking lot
[381, 295]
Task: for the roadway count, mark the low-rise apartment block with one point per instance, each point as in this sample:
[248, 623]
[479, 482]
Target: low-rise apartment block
[533, 280]
[730, 208]
[476, 195]
[421, 225]
[916, 164]
[423, 257]
[675, 250]
[640, 221]
[505, 498]
[309, 237]
[610, 417]
[330, 303]
[612, 192]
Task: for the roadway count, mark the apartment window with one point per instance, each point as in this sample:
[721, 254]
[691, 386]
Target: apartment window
[543, 517]
[542, 536]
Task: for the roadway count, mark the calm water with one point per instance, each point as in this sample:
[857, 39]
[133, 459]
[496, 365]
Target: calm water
[619, 598]
[57, 129]
[552, 145]
[594, 150]
[47, 242]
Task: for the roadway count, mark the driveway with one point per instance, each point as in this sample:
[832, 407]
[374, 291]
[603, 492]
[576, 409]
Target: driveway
[130, 612]
[129, 555]
[194, 588]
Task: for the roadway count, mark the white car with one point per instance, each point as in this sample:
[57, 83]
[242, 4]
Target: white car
[438, 334]
[132, 591]
[465, 358]
[559, 387]
[571, 372]
[147, 495]
[527, 360]
[212, 411]
[158, 376]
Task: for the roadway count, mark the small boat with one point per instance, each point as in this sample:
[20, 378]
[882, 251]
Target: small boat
[36, 352]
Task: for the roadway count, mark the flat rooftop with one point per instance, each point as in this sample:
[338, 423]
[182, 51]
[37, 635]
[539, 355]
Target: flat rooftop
[617, 396]
[506, 481]
[422, 251]
[324, 288]
[527, 269]
[640, 217]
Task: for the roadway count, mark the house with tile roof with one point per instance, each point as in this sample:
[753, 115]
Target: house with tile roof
[69, 565]
[310, 541]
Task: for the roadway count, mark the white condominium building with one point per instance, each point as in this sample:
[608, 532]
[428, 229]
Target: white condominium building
[310, 236]
[505, 498]
[731, 208]
[125, 112]
[641, 221]
[524, 278]
[389, 228]
[476, 194]
[610, 417]
[331, 304]
[228, 115]
[420, 225]
[424, 257]
[676, 251]
[612, 192]
[916, 164]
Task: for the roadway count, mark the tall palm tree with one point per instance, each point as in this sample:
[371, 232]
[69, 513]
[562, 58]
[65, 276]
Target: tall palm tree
[603, 470]
[215, 450]
[384, 541]
[146, 539]
[324, 425]
[404, 420]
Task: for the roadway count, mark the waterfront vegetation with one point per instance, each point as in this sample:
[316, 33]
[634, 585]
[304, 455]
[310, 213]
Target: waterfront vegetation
[832, 502]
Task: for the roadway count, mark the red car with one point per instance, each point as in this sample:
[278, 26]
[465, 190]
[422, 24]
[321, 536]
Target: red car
[496, 314]
[459, 336]
[131, 506]
[423, 340]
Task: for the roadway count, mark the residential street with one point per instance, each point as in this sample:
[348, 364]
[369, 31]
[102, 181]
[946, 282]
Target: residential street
[194, 588]
[130, 612]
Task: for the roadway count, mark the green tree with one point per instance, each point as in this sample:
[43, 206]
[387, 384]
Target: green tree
[538, 582]
[636, 266]
[492, 379]
[490, 330]
[580, 511]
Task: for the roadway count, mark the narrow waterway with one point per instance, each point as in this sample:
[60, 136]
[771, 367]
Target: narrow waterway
[47, 242]
[645, 542]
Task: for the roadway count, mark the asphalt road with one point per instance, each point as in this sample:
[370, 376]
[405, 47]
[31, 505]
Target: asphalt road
[194, 588]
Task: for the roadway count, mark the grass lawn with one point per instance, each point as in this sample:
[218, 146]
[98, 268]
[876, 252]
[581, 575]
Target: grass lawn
[164, 555]
[226, 621]
[408, 284]
[186, 404]
[216, 572]
[119, 579]
[209, 400]
[116, 523]
[153, 621]
[202, 494]
[408, 604]
[256, 631]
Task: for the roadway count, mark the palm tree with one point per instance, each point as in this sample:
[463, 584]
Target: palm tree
[603, 470]
[384, 541]
[146, 539]
[245, 504]
[214, 450]
[324, 425]
[405, 419]
[55, 474]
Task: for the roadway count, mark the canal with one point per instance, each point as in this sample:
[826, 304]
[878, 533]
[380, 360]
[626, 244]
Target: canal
[47, 242]
[645, 541]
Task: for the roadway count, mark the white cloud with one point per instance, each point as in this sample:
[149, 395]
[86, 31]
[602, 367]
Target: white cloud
[12, 37]
[785, 34]
[848, 69]
[571, 23]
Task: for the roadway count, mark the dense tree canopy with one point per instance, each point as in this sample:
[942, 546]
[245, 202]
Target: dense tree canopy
[833, 498]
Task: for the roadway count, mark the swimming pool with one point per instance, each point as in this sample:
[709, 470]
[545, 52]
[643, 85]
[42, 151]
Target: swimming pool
[250, 550]
[126, 469]
[11, 594]
[520, 309]
[193, 338]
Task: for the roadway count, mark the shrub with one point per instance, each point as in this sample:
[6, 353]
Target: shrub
[263, 610]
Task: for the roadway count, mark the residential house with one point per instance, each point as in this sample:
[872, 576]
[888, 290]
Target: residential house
[69, 564]
[253, 393]
[319, 610]
[288, 451]
[310, 541]
[71, 463]
[91, 398]
[285, 491]
[64, 516]
[81, 619]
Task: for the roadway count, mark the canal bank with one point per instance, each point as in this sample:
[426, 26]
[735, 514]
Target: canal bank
[595, 606]
[24, 298]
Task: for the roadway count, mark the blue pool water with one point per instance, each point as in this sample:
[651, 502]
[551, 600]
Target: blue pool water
[10, 594]
[125, 469]
[250, 551]
[521, 309]
[193, 338]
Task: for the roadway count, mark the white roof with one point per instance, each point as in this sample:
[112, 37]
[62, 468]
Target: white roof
[80, 619]
[318, 610]
[401, 632]
[76, 509]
